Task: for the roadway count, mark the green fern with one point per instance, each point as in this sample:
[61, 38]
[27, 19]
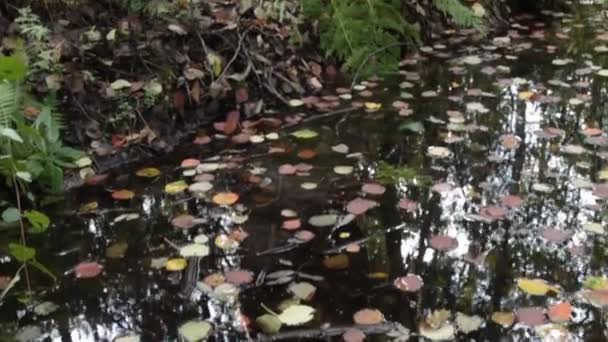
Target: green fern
[460, 14]
[9, 102]
[354, 31]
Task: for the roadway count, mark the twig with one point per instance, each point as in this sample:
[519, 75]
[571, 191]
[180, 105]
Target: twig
[360, 67]
[325, 115]
[365, 239]
[297, 335]
[235, 55]
[22, 230]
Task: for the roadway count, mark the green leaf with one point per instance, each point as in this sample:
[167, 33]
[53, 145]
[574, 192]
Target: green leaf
[269, 324]
[11, 215]
[55, 178]
[413, 126]
[39, 221]
[40, 267]
[69, 153]
[21, 253]
[12, 68]
[305, 134]
[11, 134]
[24, 175]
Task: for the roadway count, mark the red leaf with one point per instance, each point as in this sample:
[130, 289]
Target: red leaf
[118, 140]
[88, 270]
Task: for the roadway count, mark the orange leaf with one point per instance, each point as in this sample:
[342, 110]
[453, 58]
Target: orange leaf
[232, 121]
[307, 154]
[560, 312]
[123, 195]
[225, 198]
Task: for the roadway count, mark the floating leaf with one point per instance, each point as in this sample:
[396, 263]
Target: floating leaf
[302, 290]
[176, 187]
[117, 250]
[194, 250]
[269, 324]
[409, 283]
[560, 312]
[443, 243]
[336, 262]
[194, 331]
[87, 270]
[326, 220]
[443, 333]
[239, 277]
[468, 324]
[183, 221]
[176, 264]
[368, 317]
[505, 319]
[123, 195]
[536, 287]
[530, 316]
[297, 315]
[225, 198]
[596, 283]
[305, 134]
[353, 335]
[149, 172]
[412, 126]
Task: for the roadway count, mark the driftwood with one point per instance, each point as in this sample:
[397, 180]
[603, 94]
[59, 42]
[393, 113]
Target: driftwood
[320, 333]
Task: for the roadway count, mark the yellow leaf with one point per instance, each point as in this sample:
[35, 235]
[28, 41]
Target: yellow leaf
[176, 187]
[603, 174]
[525, 95]
[176, 264]
[373, 105]
[503, 318]
[536, 287]
[148, 172]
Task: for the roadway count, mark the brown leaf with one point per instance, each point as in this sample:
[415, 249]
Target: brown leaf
[232, 121]
[179, 101]
[195, 92]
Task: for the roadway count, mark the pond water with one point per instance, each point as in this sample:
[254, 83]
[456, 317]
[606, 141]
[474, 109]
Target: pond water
[463, 199]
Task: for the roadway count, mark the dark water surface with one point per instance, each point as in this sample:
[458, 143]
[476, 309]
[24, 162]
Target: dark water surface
[518, 123]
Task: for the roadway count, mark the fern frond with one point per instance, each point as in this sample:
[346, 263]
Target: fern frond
[9, 102]
[460, 14]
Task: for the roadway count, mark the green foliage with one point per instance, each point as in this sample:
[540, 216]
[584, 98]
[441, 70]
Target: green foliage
[27, 255]
[390, 174]
[460, 14]
[31, 151]
[354, 31]
[369, 34]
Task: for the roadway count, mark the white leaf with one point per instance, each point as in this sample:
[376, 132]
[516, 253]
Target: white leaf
[297, 314]
[120, 84]
[193, 331]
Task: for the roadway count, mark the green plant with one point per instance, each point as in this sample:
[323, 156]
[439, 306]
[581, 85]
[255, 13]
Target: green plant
[354, 30]
[370, 34]
[460, 14]
[390, 174]
[44, 55]
[32, 156]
